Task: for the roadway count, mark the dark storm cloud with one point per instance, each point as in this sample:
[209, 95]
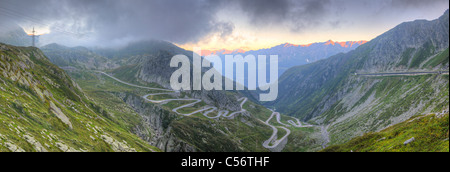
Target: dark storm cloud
[225, 29]
[179, 21]
[293, 13]
[105, 22]
[262, 11]
[414, 3]
[300, 15]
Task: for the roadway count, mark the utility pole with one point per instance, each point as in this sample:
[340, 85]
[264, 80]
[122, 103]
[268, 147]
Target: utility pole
[33, 38]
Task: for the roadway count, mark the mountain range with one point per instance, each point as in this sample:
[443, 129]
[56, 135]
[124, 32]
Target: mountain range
[290, 55]
[337, 94]
[331, 92]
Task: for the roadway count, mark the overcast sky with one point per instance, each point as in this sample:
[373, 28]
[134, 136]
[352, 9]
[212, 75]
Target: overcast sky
[214, 24]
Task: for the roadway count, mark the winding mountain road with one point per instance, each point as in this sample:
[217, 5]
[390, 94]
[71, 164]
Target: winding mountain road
[207, 109]
[271, 143]
[299, 124]
[138, 86]
[273, 139]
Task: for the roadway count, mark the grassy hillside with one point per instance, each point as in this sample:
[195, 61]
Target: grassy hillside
[378, 102]
[440, 59]
[430, 134]
[42, 109]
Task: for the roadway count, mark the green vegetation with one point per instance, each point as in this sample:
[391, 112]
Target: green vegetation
[300, 139]
[440, 59]
[240, 134]
[257, 111]
[174, 104]
[428, 92]
[430, 134]
[328, 92]
[29, 85]
[188, 110]
[426, 51]
[224, 134]
[161, 97]
[406, 56]
[303, 140]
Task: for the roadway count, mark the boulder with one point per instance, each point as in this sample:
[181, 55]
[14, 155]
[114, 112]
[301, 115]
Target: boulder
[409, 141]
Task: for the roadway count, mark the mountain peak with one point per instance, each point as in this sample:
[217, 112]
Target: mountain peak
[345, 44]
[222, 52]
[329, 42]
[54, 46]
[289, 45]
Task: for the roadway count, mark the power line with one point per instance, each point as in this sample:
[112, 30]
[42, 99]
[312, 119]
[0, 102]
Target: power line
[14, 14]
[15, 6]
[33, 36]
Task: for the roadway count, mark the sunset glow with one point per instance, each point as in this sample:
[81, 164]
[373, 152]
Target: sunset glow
[38, 31]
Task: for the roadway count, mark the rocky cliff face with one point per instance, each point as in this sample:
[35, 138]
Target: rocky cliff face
[155, 126]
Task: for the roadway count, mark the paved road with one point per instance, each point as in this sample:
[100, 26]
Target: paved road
[273, 139]
[138, 86]
[221, 113]
[299, 124]
[402, 73]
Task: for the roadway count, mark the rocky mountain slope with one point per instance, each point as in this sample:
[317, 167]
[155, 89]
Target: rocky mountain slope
[329, 93]
[79, 57]
[422, 133]
[42, 109]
